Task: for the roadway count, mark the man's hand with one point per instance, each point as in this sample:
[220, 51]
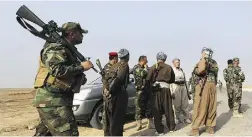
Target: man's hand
[106, 93]
[87, 65]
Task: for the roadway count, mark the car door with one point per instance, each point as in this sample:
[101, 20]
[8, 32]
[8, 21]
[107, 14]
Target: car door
[132, 94]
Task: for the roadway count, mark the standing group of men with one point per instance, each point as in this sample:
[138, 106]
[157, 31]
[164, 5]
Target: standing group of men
[161, 89]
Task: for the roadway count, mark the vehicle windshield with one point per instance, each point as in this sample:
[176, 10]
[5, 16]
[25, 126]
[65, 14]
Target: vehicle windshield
[96, 81]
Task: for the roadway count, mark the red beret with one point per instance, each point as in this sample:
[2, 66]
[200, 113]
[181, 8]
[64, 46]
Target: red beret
[113, 54]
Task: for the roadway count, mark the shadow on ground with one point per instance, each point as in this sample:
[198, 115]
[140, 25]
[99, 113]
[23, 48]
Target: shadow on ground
[129, 119]
[145, 132]
[244, 107]
[223, 119]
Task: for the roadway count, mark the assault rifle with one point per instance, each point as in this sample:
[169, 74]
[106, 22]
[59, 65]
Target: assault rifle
[49, 33]
[98, 63]
[188, 94]
[207, 70]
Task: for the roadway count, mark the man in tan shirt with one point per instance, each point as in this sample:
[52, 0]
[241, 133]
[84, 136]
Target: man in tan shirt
[205, 102]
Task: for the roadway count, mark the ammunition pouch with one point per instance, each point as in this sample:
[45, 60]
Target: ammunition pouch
[57, 84]
[68, 84]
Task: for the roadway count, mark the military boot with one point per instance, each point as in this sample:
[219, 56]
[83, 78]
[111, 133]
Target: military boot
[193, 132]
[150, 124]
[210, 130]
[236, 114]
[139, 125]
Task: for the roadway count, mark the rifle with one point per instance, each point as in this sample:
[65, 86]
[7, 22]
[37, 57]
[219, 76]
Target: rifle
[98, 63]
[207, 70]
[49, 32]
[154, 77]
[188, 94]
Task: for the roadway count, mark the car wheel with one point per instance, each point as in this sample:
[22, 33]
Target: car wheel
[96, 120]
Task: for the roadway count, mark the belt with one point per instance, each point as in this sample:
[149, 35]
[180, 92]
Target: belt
[179, 82]
[162, 84]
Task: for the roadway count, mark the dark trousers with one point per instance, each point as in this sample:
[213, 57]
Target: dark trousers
[148, 104]
[105, 118]
[162, 104]
[116, 112]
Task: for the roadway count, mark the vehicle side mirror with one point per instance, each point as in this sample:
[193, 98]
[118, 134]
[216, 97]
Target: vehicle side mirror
[131, 80]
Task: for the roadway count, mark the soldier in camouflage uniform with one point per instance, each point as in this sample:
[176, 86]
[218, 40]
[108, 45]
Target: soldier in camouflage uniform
[205, 102]
[113, 59]
[235, 77]
[140, 73]
[60, 75]
[237, 87]
[227, 72]
[116, 94]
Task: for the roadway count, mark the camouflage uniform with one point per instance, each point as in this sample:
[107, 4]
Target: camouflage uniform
[239, 77]
[140, 74]
[227, 73]
[192, 83]
[106, 81]
[142, 99]
[234, 78]
[59, 77]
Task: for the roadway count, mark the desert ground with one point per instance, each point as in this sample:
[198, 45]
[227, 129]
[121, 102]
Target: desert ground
[19, 118]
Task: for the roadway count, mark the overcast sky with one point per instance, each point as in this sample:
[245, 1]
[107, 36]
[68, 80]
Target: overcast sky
[180, 29]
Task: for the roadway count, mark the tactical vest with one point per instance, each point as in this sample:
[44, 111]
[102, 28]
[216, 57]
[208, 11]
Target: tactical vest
[67, 83]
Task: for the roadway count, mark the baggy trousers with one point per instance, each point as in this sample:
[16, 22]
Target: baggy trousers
[116, 108]
[205, 106]
[235, 94]
[148, 104]
[143, 104]
[105, 118]
[230, 96]
[139, 103]
[57, 121]
[180, 102]
[162, 104]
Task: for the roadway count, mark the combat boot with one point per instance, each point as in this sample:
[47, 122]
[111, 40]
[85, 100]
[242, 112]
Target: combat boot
[139, 125]
[193, 132]
[236, 114]
[150, 124]
[210, 130]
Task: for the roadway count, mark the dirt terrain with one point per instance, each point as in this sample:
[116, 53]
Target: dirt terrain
[19, 118]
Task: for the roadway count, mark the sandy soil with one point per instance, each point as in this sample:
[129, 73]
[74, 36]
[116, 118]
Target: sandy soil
[19, 118]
